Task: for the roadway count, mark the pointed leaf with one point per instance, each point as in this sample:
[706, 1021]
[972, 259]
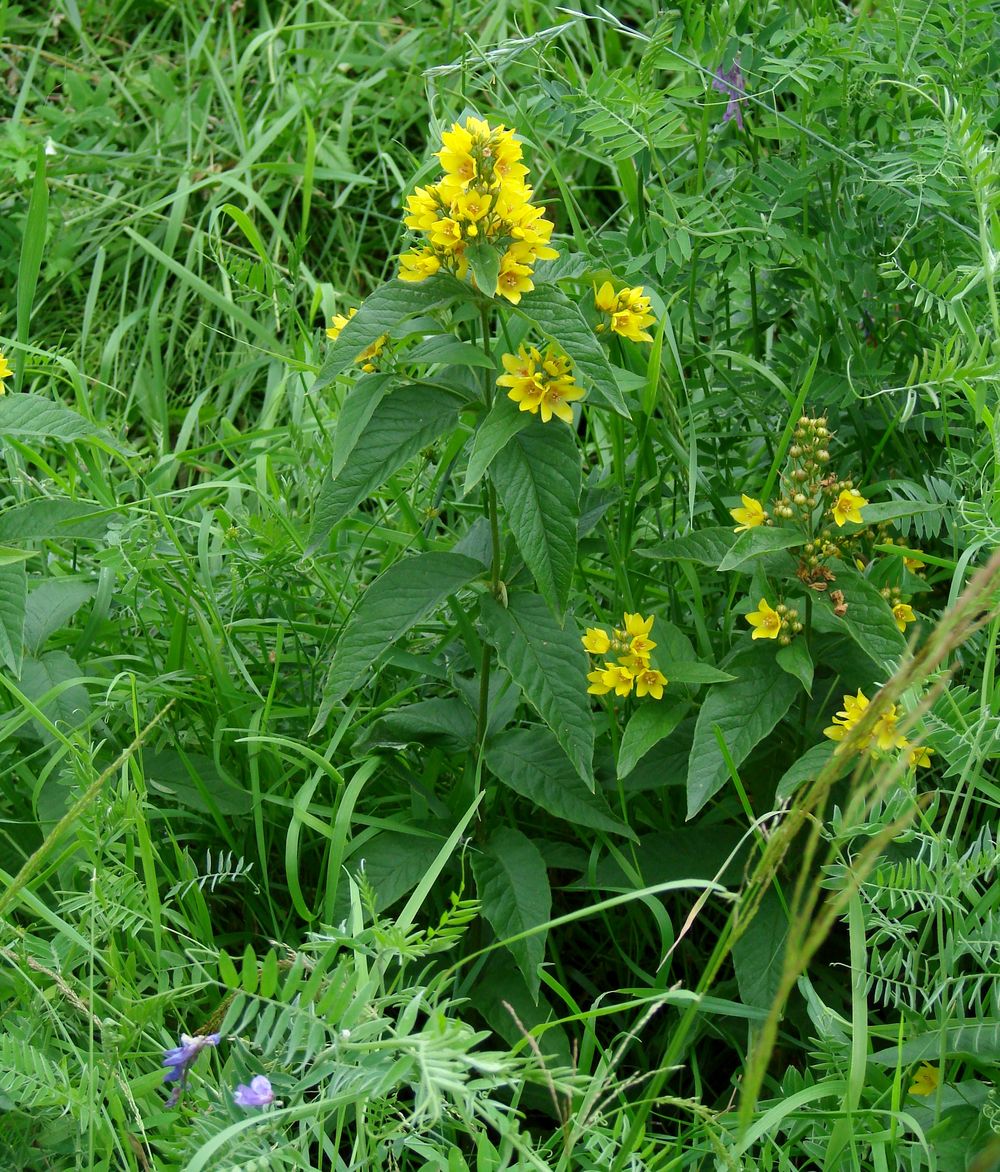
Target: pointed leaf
[380, 313]
[396, 601]
[868, 620]
[650, 723]
[484, 260]
[400, 425]
[745, 711]
[36, 417]
[513, 887]
[809, 766]
[707, 547]
[51, 604]
[537, 478]
[757, 542]
[56, 518]
[503, 421]
[759, 952]
[692, 671]
[560, 320]
[13, 600]
[358, 408]
[796, 660]
[530, 762]
[548, 664]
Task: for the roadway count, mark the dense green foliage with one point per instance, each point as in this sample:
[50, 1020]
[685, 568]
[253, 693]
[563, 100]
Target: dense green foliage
[296, 740]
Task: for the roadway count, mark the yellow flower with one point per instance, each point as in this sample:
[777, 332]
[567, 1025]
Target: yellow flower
[919, 755]
[542, 386]
[596, 641]
[618, 677]
[513, 278]
[765, 621]
[926, 1080]
[605, 298]
[628, 310]
[418, 265]
[650, 682]
[5, 370]
[914, 564]
[559, 393]
[422, 208]
[750, 516]
[848, 717]
[630, 326]
[884, 733]
[597, 685]
[447, 234]
[635, 625]
[337, 323]
[848, 507]
[902, 612]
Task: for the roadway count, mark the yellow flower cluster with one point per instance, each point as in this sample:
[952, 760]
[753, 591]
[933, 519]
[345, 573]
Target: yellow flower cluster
[883, 736]
[768, 623]
[542, 385]
[482, 196]
[627, 309]
[370, 353]
[632, 646]
[5, 370]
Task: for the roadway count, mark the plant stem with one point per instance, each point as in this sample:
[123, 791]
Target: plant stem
[491, 512]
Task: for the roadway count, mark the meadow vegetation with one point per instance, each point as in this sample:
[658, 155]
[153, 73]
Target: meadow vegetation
[498, 586]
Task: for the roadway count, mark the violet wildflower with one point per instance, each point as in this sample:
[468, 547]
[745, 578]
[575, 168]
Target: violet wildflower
[181, 1058]
[731, 82]
[257, 1094]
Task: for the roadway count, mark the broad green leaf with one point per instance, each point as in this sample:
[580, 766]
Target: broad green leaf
[53, 683]
[537, 478]
[484, 260]
[51, 604]
[560, 320]
[981, 1040]
[650, 723]
[56, 518]
[447, 350]
[450, 718]
[227, 971]
[745, 711]
[809, 766]
[402, 423]
[194, 781]
[868, 620]
[707, 547]
[34, 417]
[758, 954]
[10, 554]
[503, 421]
[756, 542]
[396, 601]
[13, 599]
[796, 660]
[690, 671]
[512, 885]
[549, 665]
[380, 313]
[358, 408]
[530, 762]
[894, 510]
[394, 863]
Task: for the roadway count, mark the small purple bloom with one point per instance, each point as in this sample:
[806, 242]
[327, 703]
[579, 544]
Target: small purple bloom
[180, 1059]
[731, 82]
[257, 1094]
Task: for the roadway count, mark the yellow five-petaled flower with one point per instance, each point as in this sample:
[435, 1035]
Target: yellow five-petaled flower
[765, 621]
[5, 370]
[902, 612]
[750, 516]
[848, 507]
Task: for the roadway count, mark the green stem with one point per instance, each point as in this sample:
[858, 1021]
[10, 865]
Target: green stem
[491, 512]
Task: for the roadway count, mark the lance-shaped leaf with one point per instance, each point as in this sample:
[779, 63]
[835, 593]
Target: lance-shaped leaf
[396, 601]
[503, 421]
[549, 665]
[707, 547]
[537, 478]
[381, 313]
[744, 711]
[13, 598]
[56, 518]
[513, 888]
[530, 762]
[560, 320]
[28, 417]
[756, 542]
[649, 724]
[868, 619]
[400, 425]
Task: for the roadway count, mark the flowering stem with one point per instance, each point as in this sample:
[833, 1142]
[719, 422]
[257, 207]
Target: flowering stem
[491, 512]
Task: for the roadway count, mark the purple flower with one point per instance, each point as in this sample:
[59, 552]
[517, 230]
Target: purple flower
[257, 1094]
[731, 82]
[180, 1059]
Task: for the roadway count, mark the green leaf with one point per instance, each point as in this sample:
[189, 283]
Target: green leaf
[513, 887]
[227, 971]
[868, 620]
[560, 320]
[56, 518]
[449, 718]
[28, 417]
[358, 408]
[484, 260]
[380, 313]
[51, 604]
[981, 1040]
[530, 762]
[396, 601]
[757, 542]
[53, 683]
[691, 671]
[10, 554]
[446, 350]
[796, 660]
[537, 478]
[745, 712]
[13, 599]
[401, 424]
[30, 261]
[759, 953]
[650, 723]
[809, 766]
[549, 665]
[503, 421]
[894, 510]
[707, 547]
